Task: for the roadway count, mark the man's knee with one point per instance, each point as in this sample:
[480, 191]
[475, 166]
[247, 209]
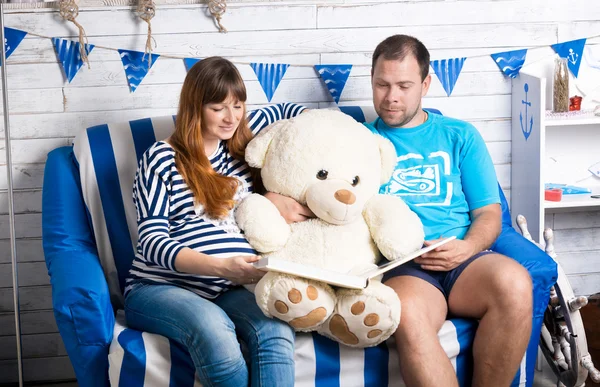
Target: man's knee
[512, 287]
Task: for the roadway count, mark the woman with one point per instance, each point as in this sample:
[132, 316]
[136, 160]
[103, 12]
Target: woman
[191, 256]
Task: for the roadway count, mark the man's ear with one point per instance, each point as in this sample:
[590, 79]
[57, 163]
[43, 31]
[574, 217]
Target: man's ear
[256, 151]
[388, 158]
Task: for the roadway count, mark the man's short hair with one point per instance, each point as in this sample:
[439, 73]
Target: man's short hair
[398, 47]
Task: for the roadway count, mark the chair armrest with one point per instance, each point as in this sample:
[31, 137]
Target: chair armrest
[542, 268]
[80, 296]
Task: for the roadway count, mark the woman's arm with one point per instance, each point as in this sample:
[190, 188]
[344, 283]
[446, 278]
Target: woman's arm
[261, 118]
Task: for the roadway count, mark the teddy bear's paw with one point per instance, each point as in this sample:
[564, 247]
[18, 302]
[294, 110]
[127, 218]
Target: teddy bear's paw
[362, 320]
[303, 304]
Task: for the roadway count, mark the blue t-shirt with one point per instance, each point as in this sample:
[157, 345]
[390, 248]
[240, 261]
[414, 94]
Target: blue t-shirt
[443, 171]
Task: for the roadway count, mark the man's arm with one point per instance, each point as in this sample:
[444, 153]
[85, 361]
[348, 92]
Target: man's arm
[483, 231]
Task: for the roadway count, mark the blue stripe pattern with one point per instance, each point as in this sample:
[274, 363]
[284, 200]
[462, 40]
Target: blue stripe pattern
[269, 75]
[447, 71]
[327, 361]
[70, 56]
[12, 38]
[135, 64]
[510, 62]
[334, 77]
[182, 368]
[354, 112]
[465, 334]
[105, 166]
[376, 365]
[143, 135]
[133, 368]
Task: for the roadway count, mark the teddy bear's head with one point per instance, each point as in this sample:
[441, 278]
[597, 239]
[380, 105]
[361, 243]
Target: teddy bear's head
[325, 160]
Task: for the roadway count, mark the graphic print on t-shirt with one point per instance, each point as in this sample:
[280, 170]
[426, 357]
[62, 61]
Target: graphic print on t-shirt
[425, 180]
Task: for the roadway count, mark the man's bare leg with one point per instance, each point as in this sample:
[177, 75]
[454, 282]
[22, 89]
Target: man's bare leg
[497, 290]
[423, 361]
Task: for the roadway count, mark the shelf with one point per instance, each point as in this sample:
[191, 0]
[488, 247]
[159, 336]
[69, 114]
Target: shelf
[575, 201]
[571, 121]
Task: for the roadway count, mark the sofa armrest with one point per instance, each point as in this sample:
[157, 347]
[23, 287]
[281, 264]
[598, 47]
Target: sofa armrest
[80, 296]
[542, 268]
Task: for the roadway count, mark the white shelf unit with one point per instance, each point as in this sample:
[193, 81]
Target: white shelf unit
[538, 141]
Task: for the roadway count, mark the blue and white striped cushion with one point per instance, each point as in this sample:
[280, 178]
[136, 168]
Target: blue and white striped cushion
[140, 359]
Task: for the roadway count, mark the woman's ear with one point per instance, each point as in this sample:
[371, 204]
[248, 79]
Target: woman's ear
[256, 151]
[388, 158]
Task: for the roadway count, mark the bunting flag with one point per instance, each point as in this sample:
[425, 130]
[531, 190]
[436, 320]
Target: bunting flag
[447, 71]
[510, 62]
[70, 56]
[269, 75]
[12, 39]
[136, 66]
[190, 62]
[335, 77]
[573, 51]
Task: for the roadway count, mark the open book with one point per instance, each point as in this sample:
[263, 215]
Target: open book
[352, 281]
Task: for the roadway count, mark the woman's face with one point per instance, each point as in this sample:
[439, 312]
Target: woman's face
[220, 120]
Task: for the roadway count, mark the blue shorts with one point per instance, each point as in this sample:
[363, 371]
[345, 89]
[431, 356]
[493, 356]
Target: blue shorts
[443, 280]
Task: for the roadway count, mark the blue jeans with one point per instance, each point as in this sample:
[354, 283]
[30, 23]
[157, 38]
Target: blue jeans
[209, 330]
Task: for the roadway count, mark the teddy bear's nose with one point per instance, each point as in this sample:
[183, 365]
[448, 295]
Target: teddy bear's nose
[345, 196]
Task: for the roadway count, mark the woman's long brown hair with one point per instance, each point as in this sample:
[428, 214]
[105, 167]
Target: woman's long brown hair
[212, 80]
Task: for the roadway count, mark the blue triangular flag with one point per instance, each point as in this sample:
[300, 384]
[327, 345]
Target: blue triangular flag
[190, 62]
[510, 62]
[573, 51]
[335, 77]
[12, 39]
[70, 56]
[269, 75]
[447, 71]
[136, 66]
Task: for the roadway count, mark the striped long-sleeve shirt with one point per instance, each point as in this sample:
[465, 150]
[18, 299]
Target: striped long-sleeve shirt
[168, 220]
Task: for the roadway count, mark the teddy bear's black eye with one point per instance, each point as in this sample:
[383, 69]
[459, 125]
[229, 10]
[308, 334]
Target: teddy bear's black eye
[355, 181]
[322, 174]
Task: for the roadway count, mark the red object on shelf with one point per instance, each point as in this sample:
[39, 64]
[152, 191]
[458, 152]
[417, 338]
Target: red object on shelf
[575, 103]
[553, 195]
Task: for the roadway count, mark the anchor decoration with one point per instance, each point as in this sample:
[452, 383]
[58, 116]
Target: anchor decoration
[526, 131]
[572, 57]
[572, 50]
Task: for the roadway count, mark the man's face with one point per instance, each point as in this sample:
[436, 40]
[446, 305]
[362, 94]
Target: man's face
[397, 91]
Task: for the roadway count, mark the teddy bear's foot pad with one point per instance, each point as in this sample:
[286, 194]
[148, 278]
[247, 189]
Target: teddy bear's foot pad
[339, 327]
[314, 317]
[303, 304]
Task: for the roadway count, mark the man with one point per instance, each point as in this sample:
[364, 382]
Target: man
[445, 174]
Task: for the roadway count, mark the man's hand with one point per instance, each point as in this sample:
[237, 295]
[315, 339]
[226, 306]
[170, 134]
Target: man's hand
[447, 256]
[291, 210]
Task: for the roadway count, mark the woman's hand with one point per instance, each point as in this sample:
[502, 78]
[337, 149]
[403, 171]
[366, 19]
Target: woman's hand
[291, 210]
[239, 269]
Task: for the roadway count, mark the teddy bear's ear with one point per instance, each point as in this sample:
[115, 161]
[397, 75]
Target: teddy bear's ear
[388, 158]
[256, 151]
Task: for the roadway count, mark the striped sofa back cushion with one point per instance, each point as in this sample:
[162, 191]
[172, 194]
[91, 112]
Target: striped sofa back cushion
[108, 157]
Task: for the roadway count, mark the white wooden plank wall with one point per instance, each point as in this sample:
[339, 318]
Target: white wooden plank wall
[46, 112]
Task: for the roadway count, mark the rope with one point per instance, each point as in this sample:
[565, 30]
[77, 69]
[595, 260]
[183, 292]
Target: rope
[217, 8]
[69, 10]
[146, 10]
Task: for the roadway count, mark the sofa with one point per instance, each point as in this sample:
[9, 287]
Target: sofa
[89, 237]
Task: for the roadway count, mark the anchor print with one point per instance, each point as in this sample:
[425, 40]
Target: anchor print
[526, 131]
[573, 57]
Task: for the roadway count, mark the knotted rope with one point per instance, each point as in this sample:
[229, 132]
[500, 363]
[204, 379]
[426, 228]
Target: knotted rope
[69, 10]
[146, 10]
[217, 8]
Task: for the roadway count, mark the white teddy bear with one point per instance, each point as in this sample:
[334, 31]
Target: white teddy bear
[334, 165]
